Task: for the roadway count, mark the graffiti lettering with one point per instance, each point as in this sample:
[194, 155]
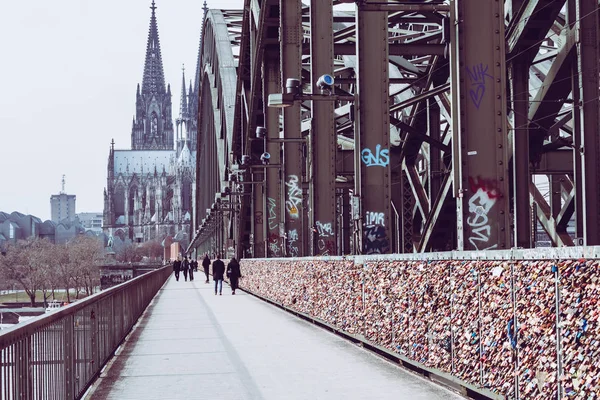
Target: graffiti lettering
[483, 200]
[292, 237]
[375, 240]
[381, 158]
[324, 230]
[326, 247]
[272, 207]
[258, 217]
[294, 192]
[375, 218]
[477, 75]
[274, 244]
[487, 185]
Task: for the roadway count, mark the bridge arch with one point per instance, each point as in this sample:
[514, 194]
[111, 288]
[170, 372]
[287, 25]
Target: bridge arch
[217, 95]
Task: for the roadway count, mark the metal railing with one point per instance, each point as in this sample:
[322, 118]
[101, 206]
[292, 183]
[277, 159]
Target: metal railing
[58, 356]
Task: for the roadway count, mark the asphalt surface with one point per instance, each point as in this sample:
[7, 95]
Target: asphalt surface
[191, 344]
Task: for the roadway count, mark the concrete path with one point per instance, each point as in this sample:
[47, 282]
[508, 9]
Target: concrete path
[192, 344]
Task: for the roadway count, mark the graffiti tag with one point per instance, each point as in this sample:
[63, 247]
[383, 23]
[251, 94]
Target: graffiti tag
[258, 217]
[375, 218]
[294, 200]
[375, 240]
[485, 195]
[272, 207]
[381, 158]
[324, 229]
[477, 75]
[292, 237]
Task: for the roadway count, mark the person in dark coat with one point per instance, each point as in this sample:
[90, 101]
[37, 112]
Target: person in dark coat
[194, 264]
[205, 265]
[191, 269]
[234, 274]
[218, 271]
[185, 265]
[176, 268]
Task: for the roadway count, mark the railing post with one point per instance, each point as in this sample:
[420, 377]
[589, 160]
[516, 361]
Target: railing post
[69, 363]
[94, 335]
[559, 358]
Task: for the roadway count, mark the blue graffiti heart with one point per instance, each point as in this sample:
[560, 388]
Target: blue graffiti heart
[477, 95]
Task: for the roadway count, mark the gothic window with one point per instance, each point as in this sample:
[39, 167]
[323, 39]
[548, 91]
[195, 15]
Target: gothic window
[153, 125]
[11, 231]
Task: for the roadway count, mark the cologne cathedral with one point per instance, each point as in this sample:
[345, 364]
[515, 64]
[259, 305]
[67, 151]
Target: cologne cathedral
[150, 188]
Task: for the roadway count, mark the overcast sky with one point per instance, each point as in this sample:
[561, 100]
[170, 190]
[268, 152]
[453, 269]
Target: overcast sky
[68, 79]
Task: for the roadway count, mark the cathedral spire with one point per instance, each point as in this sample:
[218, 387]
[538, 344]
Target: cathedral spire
[154, 78]
[183, 102]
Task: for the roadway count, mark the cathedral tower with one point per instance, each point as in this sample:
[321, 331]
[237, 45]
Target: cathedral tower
[153, 123]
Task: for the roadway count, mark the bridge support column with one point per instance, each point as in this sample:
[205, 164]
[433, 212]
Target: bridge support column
[291, 34]
[323, 139]
[272, 216]
[372, 202]
[480, 138]
[586, 14]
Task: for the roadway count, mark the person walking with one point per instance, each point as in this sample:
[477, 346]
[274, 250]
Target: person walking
[185, 265]
[177, 268]
[191, 269]
[218, 271]
[233, 273]
[195, 262]
[205, 265]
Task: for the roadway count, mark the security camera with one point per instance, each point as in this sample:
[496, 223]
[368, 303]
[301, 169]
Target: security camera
[264, 158]
[325, 83]
[261, 132]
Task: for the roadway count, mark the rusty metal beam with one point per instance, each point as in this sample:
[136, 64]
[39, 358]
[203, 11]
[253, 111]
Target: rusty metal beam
[323, 141]
[372, 136]
[588, 53]
[481, 167]
[291, 67]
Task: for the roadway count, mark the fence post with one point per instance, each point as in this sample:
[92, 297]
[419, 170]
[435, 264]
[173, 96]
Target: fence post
[559, 358]
[480, 321]
[69, 365]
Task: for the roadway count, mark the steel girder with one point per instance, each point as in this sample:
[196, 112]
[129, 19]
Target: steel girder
[487, 138]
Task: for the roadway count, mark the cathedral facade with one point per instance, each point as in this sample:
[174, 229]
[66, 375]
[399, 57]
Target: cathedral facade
[150, 188]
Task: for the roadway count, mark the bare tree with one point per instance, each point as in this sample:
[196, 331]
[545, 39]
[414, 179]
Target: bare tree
[25, 264]
[85, 254]
[128, 253]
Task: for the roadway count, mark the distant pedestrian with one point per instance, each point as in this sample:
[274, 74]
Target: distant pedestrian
[176, 268]
[185, 265]
[205, 265]
[218, 271]
[191, 270]
[233, 273]
[195, 264]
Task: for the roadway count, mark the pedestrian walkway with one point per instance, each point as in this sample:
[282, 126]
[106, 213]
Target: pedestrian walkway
[192, 344]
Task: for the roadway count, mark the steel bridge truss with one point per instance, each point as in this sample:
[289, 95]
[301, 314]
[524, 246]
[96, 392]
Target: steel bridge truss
[451, 125]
